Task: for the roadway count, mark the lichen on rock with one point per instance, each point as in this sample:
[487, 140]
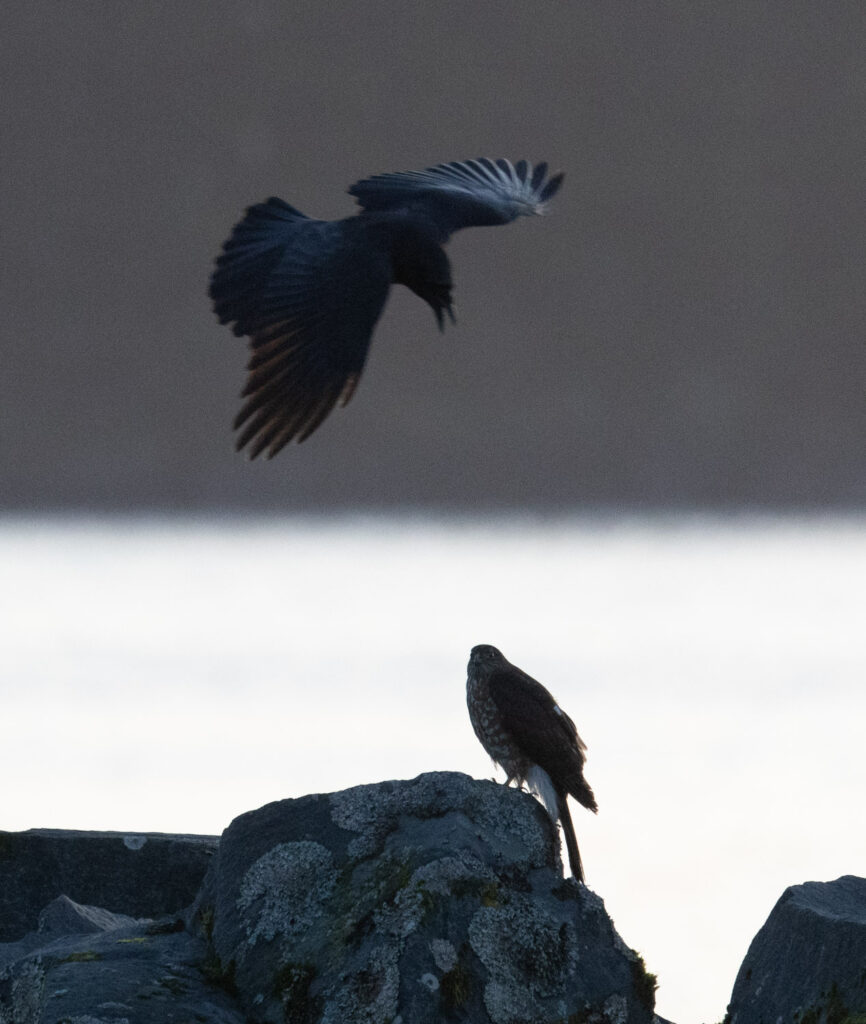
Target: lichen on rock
[369, 993]
[21, 991]
[528, 955]
[444, 954]
[299, 876]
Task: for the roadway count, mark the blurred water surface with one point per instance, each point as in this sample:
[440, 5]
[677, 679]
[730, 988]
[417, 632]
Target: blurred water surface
[168, 674]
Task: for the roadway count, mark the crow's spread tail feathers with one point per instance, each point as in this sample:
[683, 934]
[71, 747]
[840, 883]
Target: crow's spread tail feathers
[253, 249]
[307, 294]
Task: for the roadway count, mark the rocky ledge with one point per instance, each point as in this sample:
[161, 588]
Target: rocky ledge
[138, 874]
[439, 899]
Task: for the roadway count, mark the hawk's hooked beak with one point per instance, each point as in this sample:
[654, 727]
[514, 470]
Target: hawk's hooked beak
[483, 652]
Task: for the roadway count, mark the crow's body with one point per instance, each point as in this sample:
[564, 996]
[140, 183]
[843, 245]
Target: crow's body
[524, 730]
[308, 292]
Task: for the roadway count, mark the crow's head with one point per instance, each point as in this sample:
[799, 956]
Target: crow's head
[421, 264]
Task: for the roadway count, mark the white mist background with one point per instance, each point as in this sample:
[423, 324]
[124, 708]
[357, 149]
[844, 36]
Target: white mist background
[169, 674]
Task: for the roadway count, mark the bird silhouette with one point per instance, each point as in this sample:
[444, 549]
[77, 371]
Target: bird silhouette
[523, 729]
[307, 293]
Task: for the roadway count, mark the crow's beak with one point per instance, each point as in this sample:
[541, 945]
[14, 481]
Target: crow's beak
[440, 310]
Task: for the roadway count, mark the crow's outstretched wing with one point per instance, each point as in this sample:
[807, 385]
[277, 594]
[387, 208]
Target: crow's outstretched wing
[469, 193]
[307, 293]
[541, 729]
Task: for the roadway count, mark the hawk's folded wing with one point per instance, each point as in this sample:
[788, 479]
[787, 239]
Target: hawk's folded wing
[541, 730]
[531, 716]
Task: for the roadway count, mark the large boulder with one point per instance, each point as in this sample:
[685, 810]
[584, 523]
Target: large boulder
[439, 899]
[807, 965]
[139, 874]
[436, 900]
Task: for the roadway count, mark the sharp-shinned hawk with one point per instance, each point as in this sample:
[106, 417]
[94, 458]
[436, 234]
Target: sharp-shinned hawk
[527, 733]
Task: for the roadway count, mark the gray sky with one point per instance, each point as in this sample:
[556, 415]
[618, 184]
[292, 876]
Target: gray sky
[686, 328]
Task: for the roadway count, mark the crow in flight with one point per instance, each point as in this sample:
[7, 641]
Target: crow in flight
[308, 292]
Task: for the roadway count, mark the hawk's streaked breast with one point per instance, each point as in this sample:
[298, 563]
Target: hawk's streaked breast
[487, 723]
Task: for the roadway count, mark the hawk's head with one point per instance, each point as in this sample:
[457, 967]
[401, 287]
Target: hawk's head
[484, 654]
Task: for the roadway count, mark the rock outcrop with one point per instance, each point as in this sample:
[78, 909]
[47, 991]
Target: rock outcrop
[807, 965]
[439, 899]
[138, 874]
[85, 965]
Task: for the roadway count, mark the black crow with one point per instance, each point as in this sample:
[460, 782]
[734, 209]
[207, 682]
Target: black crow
[308, 292]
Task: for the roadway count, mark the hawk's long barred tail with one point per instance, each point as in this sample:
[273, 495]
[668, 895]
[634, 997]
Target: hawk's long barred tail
[564, 816]
[556, 804]
[525, 731]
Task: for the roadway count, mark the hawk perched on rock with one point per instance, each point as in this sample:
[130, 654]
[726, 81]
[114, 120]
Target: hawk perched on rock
[525, 731]
[308, 292]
